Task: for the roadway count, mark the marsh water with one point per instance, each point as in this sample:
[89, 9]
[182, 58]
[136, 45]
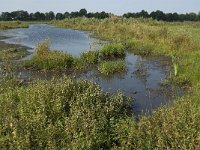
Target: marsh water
[142, 81]
[68, 40]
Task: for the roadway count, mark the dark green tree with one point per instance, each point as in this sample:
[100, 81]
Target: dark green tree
[60, 16]
[82, 12]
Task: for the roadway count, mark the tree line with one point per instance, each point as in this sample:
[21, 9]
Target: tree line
[39, 16]
[160, 15]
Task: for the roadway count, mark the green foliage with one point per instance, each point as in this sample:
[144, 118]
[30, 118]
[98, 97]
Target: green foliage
[90, 57]
[79, 64]
[70, 114]
[110, 67]
[64, 114]
[49, 60]
[112, 51]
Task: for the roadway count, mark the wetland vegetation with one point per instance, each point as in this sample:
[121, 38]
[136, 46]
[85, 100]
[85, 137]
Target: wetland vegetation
[76, 114]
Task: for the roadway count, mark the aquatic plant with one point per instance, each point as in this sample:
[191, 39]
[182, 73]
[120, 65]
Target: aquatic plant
[79, 64]
[44, 59]
[110, 67]
[112, 50]
[90, 57]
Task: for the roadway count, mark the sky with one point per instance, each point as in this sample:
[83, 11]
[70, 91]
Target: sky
[117, 7]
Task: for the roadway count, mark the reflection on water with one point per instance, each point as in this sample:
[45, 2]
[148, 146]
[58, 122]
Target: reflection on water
[68, 40]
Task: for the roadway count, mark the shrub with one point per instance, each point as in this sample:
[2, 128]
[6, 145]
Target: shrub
[64, 114]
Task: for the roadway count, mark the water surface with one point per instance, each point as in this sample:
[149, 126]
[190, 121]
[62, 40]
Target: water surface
[72, 41]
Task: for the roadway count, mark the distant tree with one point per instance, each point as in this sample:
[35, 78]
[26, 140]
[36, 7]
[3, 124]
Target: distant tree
[158, 15]
[193, 17]
[60, 16]
[39, 16]
[90, 15]
[20, 15]
[199, 16]
[50, 15]
[74, 14]
[128, 15]
[103, 15]
[144, 14]
[6, 16]
[82, 12]
[31, 16]
[67, 15]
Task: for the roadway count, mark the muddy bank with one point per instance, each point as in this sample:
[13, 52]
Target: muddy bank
[12, 51]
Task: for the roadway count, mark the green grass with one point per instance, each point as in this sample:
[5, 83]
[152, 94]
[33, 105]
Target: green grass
[90, 57]
[49, 60]
[110, 67]
[112, 50]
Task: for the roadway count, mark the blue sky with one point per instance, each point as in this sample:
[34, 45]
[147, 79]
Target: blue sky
[115, 6]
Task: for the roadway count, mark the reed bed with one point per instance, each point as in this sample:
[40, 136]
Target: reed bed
[13, 24]
[108, 68]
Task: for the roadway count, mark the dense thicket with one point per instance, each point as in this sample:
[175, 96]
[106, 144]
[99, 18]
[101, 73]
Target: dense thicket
[159, 15]
[24, 15]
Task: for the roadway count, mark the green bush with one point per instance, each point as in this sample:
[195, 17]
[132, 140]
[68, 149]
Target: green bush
[64, 114]
[112, 51]
[110, 67]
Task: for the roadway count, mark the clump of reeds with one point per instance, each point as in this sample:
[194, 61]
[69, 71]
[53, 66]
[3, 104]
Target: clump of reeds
[112, 50]
[110, 67]
[49, 60]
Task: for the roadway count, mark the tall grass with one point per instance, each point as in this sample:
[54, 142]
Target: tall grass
[12, 24]
[110, 50]
[110, 67]
[50, 60]
[160, 35]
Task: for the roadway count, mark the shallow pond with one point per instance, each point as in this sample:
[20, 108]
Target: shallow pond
[72, 41]
[142, 81]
